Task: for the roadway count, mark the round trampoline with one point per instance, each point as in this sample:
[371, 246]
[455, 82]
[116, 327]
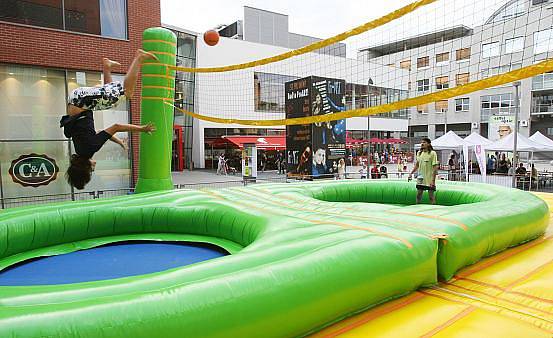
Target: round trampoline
[111, 261]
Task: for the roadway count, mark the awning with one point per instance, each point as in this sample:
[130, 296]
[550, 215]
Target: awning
[262, 142]
[394, 141]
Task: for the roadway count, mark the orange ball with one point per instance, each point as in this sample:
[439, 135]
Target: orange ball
[211, 37]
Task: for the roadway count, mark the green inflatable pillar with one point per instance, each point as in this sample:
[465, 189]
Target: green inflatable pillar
[158, 87]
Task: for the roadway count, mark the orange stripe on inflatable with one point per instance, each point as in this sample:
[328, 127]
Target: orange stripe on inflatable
[498, 299]
[474, 281]
[449, 322]
[375, 313]
[500, 257]
[344, 225]
[528, 275]
[157, 87]
[381, 233]
[162, 53]
[156, 98]
[159, 76]
[161, 41]
[452, 221]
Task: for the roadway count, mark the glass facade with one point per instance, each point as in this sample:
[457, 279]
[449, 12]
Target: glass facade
[184, 94]
[542, 103]
[501, 104]
[380, 95]
[543, 81]
[99, 17]
[269, 91]
[32, 102]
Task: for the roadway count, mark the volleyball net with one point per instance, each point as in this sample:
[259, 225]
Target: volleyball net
[419, 62]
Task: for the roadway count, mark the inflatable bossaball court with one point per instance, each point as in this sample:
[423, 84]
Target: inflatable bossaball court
[301, 256]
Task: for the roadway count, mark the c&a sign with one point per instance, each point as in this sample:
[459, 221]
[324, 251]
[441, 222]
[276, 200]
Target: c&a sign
[33, 170]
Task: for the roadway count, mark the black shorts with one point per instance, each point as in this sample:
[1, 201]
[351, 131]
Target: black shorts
[425, 187]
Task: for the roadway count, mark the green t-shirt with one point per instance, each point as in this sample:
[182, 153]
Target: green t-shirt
[427, 161]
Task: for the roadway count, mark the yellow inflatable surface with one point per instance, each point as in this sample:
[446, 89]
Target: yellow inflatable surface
[506, 295]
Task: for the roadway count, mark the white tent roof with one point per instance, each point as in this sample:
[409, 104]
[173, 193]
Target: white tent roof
[448, 141]
[541, 139]
[475, 139]
[523, 144]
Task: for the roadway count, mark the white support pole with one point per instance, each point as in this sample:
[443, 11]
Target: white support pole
[515, 152]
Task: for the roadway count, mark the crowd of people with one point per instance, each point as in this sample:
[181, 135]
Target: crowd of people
[357, 157]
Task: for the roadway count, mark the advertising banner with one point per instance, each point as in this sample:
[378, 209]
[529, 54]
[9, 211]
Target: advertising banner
[500, 126]
[315, 150]
[328, 138]
[480, 153]
[298, 138]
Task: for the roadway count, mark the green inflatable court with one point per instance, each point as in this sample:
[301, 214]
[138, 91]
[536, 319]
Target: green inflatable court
[301, 255]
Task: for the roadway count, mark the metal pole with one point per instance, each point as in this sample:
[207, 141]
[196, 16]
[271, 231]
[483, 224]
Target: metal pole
[1, 187]
[445, 122]
[515, 152]
[369, 154]
[70, 154]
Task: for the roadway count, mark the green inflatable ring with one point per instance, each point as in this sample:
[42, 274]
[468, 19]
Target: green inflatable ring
[303, 255]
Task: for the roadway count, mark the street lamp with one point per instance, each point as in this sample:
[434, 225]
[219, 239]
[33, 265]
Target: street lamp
[370, 83]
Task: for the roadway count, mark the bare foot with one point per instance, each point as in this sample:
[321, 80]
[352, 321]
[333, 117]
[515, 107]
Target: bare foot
[146, 55]
[109, 63]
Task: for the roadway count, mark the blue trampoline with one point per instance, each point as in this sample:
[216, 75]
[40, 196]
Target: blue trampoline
[107, 262]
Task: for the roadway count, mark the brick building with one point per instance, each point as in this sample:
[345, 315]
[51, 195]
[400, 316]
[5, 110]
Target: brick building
[50, 47]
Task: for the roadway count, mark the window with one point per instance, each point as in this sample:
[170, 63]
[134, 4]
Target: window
[501, 104]
[490, 49]
[441, 106]
[378, 96]
[442, 58]
[423, 62]
[423, 85]
[543, 41]
[462, 54]
[550, 131]
[405, 64]
[45, 90]
[542, 104]
[514, 45]
[422, 109]
[102, 17]
[269, 92]
[442, 82]
[543, 81]
[487, 72]
[462, 78]
[511, 10]
[462, 104]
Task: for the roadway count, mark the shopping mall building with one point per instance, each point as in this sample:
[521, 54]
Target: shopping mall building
[54, 46]
[50, 47]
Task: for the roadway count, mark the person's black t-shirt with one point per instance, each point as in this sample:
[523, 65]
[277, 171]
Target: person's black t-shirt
[81, 129]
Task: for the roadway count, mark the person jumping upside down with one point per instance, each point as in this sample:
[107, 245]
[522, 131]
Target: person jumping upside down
[78, 123]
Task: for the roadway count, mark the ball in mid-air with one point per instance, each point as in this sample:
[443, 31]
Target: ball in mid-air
[211, 37]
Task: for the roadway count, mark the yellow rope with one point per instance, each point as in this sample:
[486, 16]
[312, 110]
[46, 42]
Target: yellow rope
[515, 75]
[317, 45]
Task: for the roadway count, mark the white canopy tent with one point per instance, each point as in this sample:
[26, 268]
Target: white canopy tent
[449, 141]
[524, 144]
[475, 139]
[541, 139]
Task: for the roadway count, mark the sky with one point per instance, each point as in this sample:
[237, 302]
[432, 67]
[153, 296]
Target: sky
[319, 18]
[326, 18]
